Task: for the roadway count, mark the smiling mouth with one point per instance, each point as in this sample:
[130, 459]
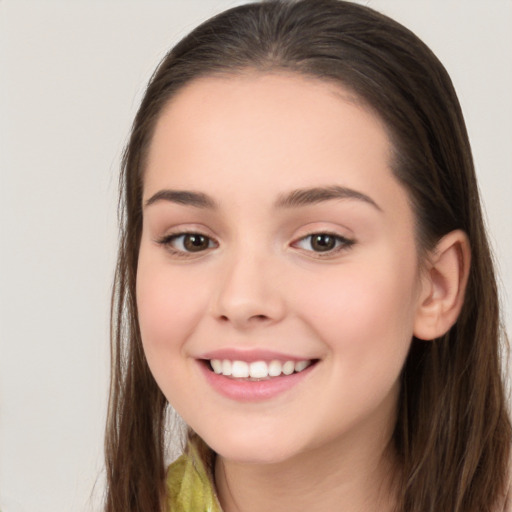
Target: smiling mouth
[257, 370]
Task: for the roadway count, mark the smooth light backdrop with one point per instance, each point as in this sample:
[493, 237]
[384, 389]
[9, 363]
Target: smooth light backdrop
[71, 77]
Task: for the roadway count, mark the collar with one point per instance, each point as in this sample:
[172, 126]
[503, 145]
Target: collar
[189, 483]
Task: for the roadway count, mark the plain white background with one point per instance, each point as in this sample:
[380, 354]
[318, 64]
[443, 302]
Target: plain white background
[71, 76]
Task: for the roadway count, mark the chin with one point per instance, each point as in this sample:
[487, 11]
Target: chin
[245, 450]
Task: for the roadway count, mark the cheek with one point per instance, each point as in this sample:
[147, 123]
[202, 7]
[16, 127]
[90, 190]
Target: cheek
[365, 313]
[364, 316]
[169, 303]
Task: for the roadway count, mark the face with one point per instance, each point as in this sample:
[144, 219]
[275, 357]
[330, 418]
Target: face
[278, 277]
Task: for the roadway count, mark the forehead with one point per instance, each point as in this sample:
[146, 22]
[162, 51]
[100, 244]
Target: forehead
[256, 98]
[285, 130]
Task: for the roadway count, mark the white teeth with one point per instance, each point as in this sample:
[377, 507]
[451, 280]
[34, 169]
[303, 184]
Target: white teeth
[274, 368]
[240, 369]
[301, 365]
[226, 367]
[288, 367]
[216, 365]
[257, 369]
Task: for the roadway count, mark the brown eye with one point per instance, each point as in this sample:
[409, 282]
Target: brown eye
[322, 242]
[185, 243]
[194, 242]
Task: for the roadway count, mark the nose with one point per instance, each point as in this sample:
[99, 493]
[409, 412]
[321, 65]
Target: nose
[249, 293]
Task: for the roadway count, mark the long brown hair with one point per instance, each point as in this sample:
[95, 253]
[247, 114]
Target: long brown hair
[453, 431]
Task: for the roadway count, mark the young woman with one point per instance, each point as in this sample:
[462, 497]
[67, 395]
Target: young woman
[304, 277]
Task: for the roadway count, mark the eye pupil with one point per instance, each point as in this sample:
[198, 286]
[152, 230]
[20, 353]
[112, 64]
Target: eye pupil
[323, 242]
[195, 243]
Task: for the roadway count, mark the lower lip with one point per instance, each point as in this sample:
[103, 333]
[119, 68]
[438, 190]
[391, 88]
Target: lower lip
[253, 391]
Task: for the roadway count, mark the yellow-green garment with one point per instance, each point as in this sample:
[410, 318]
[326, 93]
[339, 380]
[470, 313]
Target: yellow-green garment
[189, 484]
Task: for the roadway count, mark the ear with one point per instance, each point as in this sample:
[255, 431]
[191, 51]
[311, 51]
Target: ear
[443, 286]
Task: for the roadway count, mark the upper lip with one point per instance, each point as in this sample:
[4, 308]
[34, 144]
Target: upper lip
[251, 355]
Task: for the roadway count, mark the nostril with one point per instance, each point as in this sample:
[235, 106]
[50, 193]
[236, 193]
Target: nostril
[252, 318]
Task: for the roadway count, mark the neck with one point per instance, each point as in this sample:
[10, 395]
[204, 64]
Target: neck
[351, 474]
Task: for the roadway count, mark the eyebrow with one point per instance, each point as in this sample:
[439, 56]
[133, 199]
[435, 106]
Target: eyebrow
[309, 196]
[294, 199]
[185, 197]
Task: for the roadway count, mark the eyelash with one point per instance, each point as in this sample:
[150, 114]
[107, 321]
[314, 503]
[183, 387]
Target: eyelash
[168, 240]
[341, 243]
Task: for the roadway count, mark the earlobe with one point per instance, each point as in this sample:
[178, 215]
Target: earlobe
[443, 286]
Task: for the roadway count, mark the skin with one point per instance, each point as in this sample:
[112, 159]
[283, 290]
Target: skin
[246, 141]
